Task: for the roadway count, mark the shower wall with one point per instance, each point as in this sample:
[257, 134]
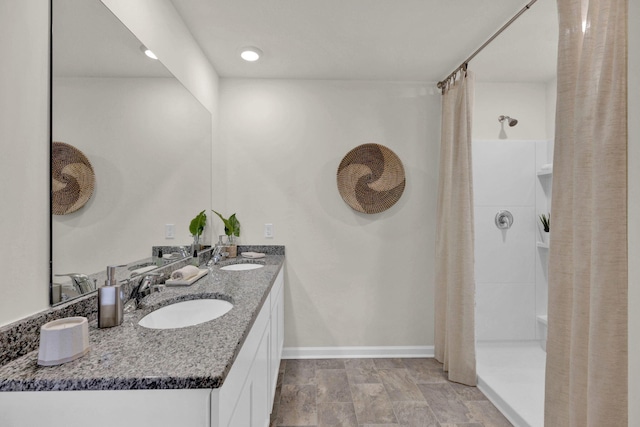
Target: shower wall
[505, 179]
[510, 268]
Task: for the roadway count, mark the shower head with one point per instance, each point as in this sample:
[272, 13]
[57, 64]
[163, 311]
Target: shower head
[512, 122]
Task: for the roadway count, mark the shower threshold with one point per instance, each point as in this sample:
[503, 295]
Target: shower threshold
[511, 374]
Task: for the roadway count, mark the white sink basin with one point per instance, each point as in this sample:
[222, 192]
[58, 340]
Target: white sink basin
[241, 267]
[185, 313]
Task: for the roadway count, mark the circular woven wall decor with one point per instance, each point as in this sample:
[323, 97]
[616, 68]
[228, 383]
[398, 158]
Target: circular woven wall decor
[371, 178]
[72, 179]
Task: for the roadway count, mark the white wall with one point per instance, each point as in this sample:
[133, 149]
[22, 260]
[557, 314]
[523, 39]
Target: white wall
[149, 142]
[504, 178]
[552, 95]
[24, 182]
[24, 75]
[634, 213]
[352, 279]
[526, 102]
[160, 28]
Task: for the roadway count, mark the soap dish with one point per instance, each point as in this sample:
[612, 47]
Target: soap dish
[63, 340]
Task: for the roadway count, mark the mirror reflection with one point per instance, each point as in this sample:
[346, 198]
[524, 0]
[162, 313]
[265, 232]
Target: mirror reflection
[148, 141]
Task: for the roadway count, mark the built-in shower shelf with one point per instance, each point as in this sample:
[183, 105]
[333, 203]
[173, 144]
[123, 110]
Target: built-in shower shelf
[542, 245]
[545, 172]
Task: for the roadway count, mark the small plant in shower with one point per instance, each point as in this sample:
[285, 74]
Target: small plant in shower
[196, 227]
[545, 219]
[231, 226]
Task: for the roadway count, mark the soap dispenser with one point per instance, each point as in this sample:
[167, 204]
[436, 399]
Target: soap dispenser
[110, 300]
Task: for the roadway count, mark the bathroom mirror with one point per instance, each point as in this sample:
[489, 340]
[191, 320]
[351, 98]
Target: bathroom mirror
[147, 138]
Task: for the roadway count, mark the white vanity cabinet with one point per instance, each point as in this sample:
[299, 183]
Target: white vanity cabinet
[244, 400]
[246, 397]
[277, 334]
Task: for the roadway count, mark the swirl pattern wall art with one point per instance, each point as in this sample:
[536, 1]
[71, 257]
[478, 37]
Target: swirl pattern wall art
[371, 178]
[72, 179]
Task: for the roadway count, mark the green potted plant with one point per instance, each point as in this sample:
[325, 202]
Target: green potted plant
[545, 220]
[232, 230]
[196, 227]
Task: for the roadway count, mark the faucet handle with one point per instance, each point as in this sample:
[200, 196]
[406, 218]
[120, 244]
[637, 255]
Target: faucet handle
[158, 288]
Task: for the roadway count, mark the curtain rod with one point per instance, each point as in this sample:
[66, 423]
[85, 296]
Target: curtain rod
[463, 66]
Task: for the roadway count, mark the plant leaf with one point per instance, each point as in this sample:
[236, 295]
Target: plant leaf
[227, 224]
[196, 227]
[234, 225]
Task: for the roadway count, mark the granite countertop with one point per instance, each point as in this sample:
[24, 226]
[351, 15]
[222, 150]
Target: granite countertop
[130, 357]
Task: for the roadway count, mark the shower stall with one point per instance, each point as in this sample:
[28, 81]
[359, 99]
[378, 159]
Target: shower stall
[512, 188]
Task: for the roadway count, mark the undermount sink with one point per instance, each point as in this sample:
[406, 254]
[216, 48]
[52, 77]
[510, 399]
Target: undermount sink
[185, 313]
[241, 267]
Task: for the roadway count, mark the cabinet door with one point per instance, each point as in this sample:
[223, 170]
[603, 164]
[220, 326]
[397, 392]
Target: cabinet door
[277, 339]
[280, 325]
[260, 396]
[252, 408]
[242, 414]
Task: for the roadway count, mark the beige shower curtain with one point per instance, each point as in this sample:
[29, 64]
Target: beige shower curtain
[455, 285]
[586, 377]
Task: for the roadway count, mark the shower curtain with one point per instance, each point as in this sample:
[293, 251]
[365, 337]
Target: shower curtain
[455, 285]
[586, 374]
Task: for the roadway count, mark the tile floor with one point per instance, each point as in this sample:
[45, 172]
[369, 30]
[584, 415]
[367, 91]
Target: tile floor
[377, 392]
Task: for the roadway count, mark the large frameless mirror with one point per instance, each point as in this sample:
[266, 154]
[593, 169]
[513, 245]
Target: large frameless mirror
[131, 151]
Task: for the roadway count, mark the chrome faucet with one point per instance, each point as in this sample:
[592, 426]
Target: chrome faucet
[81, 282]
[147, 286]
[218, 254]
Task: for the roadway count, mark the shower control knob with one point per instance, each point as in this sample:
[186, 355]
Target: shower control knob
[504, 220]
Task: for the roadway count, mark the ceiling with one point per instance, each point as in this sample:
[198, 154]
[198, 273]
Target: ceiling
[396, 40]
[89, 41]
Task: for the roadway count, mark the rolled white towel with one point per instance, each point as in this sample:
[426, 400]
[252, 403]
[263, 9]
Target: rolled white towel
[252, 254]
[185, 273]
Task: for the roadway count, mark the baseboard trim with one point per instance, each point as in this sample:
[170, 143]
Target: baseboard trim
[356, 352]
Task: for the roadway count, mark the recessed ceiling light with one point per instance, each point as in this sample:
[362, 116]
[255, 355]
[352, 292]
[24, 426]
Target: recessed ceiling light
[250, 53]
[148, 52]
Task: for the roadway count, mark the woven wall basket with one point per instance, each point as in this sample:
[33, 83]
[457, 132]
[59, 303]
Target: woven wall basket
[72, 179]
[371, 178]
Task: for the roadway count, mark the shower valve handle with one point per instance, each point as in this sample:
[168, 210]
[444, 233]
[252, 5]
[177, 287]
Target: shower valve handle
[504, 220]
